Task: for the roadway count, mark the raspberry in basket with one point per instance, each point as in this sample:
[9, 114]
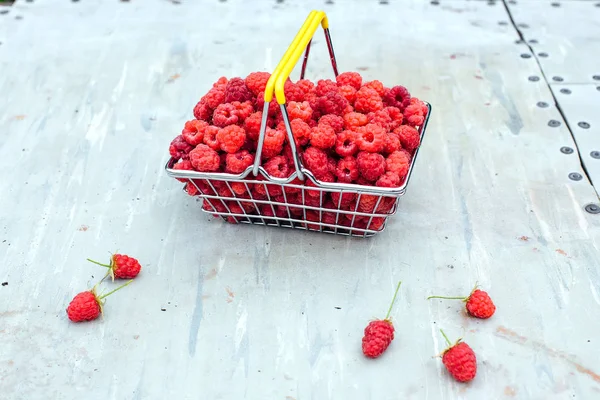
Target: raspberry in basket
[257, 82]
[191, 189]
[389, 179]
[345, 144]
[332, 103]
[301, 132]
[398, 162]
[354, 120]
[183, 165]
[205, 159]
[334, 121]
[396, 117]
[278, 167]
[398, 97]
[210, 137]
[367, 100]
[370, 165]
[240, 188]
[193, 131]
[231, 138]
[180, 148]
[293, 92]
[415, 113]
[225, 115]
[243, 110]
[306, 85]
[343, 200]
[273, 105]
[301, 110]
[349, 94]
[347, 170]
[352, 79]
[371, 138]
[381, 118]
[392, 143]
[237, 163]
[316, 161]
[214, 98]
[376, 86]
[252, 125]
[221, 82]
[323, 137]
[273, 143]
[236, 90]
[325, 86]
[409, 137]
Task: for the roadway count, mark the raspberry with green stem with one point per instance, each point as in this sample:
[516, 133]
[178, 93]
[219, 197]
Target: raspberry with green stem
[379, 333]
[478, 303]
[121, 266]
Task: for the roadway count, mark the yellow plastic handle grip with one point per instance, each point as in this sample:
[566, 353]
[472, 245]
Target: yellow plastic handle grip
[318, 18]
[269, 90]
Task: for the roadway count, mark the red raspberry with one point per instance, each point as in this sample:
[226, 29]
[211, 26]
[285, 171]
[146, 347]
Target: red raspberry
[354, 120]
[349, 94]
[278, 167]
[299, 110]
[293, 92]
[205, 159]
[332, 103]
[225, 115]
[332, 165]
[121, 266]
[398, 162]
[347, 170]
[313, 216]
[396, 117]
[370, 165]
[202, 111]
[323, 137]
[460, 360]
[274, 108]
[352, 79]
[389, 179]
[183, 165]
[342, 200]
[193, 131]
[377, 86]
[371, 138]
[214, 98]
[221, 82]
[478, 303]
[345, 144]
[273, 143]
[392, 143]
[243, 110]
[376, 224]
[212, 205]
[367, 203]
[325, 86]
[180, 148]
[236, 90]
[306, 85]
[231, 138]
[237, 163]
[301, 132]
[240, 188]
[210, 137]
[415, 113]
[191, 189]
[334, 121]
[381, 118]
[252, 125]
[87, 306]
[398, 97]
[315, 160]
[368, 100]
[409, 137]
[379, 333]
[257, 81]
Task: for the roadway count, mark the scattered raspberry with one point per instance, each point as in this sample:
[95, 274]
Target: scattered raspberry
[371, 138]
[389, 179]
[236, 90]
[478, 303]
[210, 137]
[377, 86]
[306, 85]
[368, 100]
[334, 121]
[460, 361]
[316, 161]
[237, 163]
[231, 138]
[409, 137]
[370, 165]
[332, 103]
[415, 113]
[293, 92]
[398, 162]
[278, 167]
[347, 170]
[214, 98]
[202, 111]
[345, 144]
[301, 110]
[252, 125]
[121, 266]
[87, 306]
[352, 79]
[205, 159]
[183, 165]
[392, 143]
[180, 148]
[325, 86]
[301, 132]
[257, 81]
[193, 131]
[243, 110]
[323, 137]
[273, 143]
[354, 120]
[396, 117]
[398, 97]
[225, 115]
[349, 93]
[379, 333]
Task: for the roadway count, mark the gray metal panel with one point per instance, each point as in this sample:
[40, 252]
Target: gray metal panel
[94, 91]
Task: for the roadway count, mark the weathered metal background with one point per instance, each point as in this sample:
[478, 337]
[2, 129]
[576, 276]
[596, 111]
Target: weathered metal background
[92, 94]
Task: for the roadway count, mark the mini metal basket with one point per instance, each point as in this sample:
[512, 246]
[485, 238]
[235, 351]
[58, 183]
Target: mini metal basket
[300, 201]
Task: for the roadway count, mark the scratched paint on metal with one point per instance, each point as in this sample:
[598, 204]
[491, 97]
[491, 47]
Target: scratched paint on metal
[96, 91]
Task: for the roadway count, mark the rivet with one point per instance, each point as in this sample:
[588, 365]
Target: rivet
[534, 78]
[557, 79]
[574, 176]
[595, 154]
[565, 91]
[592, 208]
[566, 150]
[542, 104]
[543, 54]
[583, 125]
[553, 123]
[525, 55]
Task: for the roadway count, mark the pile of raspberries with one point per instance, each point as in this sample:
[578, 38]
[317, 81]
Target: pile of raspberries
[347, 131]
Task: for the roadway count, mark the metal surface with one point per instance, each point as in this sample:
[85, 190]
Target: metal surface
[93, 93]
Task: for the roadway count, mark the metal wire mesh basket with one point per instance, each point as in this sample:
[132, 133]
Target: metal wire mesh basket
[300, 201]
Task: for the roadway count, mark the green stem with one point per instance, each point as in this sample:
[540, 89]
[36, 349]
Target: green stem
[96, 262]
[447, 298]
[446, 337]
[112, 291]
[393, 300]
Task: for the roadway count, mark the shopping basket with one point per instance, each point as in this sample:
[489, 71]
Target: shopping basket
[255, 197]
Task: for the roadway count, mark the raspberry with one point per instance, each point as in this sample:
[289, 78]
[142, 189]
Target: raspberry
[231, 138]
[210, 138]
[352, 79]
[240, 188]
[342, 200]
[347, 170]
[121, 266]
[278, 167]
[316, 161]
[349, 94]
[236, 90]
[293, 92]
[376, 224]
[252, 125]
[237, 163]
[301, 110]
[214, 98]
[313, 216]
[212, 205]
[392, 143]
[478, 303]
[396, 117]
[193, 131]
[202, 111]
[409, 137]
[243, 110]
[87, 306]
[332, 165]
[257, 81]
[367, 203]
[334, 121]
[345, 144]
[379, 333]
[222, 189]
[332, 103]
[183, 165]
[323, 137]
[460, 360]
[370, 165]
[381, 118]
[398, 97]
[398, 162]
[221, 82]
[367, 100]
[225, 115]
[325, 86]
[389, 179]
[273, 143]
[301, 132]
[306, 85]
[371, 138]
[180, 148]
[205, 159]
[274, 108]
[377, 86]
[354, 120]
[415, 113]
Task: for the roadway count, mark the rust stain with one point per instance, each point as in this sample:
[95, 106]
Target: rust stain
[510, 391]
[524, 238]
[290, 398]
[173, 78]
[561, 252]
[20, 117]
[514, 337]
[487, 103]
[478, 77]
[210, 274]
[136, 337]
[536, 249]
[83, 228]
[9, 313]
[362, 68]
[230, 294]
[205, 296]
[11, 362]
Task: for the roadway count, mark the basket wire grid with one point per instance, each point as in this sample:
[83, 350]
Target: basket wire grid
[298, 201]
